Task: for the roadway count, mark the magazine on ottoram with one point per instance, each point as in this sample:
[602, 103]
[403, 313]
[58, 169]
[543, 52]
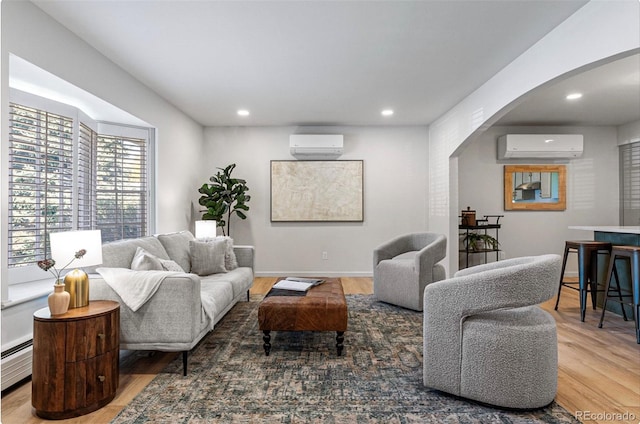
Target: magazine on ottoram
[297, 283]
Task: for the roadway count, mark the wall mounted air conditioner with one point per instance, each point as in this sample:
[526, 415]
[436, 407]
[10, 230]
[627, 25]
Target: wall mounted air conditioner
[316, 146]
[543, 146]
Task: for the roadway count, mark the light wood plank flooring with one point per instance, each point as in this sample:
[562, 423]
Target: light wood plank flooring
[599, 369]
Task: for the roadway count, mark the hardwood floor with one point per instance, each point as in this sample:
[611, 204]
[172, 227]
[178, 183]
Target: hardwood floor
[598, 378]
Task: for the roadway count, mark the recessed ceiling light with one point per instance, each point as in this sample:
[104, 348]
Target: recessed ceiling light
[387, 112]
[548, 140]
[243, 112]
[574, 96]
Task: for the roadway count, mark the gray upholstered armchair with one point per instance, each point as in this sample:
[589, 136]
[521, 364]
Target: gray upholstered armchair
[403, 267]
[486, 339]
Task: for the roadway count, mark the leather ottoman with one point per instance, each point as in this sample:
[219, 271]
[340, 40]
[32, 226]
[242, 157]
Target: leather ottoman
[322, 308]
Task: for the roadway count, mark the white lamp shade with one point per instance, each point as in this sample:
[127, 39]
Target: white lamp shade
[206, 229]
[64, 246]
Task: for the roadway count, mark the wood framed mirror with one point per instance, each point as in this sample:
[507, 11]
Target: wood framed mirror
[535, 187]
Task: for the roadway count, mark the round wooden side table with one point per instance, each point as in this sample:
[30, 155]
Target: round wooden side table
[75, 359]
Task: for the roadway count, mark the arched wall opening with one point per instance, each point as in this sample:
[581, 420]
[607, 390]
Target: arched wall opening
[597, 33]
[592, 193]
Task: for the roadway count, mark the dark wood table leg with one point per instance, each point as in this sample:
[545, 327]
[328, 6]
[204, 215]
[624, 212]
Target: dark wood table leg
[267, 342]
[340, 341]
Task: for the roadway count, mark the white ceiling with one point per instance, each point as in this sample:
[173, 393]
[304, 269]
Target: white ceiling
[610, 96]
[313, 62]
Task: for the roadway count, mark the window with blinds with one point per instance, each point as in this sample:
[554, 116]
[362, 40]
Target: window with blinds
[60, 181]
[40, 181]
[630, 184]
[87, 143]
[121, 187]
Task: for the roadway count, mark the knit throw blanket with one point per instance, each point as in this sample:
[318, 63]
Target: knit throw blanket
[134, 287]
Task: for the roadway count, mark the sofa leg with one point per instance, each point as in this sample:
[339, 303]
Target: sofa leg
[184, 362]
[248, 296]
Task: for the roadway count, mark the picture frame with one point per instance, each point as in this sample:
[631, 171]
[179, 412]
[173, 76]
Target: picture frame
[317, 191]
[535, 187]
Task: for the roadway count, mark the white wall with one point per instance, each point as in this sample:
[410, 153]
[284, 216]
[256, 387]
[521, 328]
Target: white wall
[598, 32]
[32, 35]
[629, 132]
[592, 190]
[395, 196]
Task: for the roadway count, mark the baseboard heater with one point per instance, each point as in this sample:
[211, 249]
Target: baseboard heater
[16, 363]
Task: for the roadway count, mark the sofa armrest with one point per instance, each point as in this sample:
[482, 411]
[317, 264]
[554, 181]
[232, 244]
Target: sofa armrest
[245, 255]
[173, 315]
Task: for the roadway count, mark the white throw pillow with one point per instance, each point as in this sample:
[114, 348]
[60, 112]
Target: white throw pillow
[230, 260]
[169, 265]
[207, 257]
[145, 261]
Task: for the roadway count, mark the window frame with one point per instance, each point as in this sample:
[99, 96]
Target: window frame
[629, 181]
[23, 274]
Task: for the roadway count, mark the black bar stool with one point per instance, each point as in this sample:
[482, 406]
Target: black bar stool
[587, 251]
[631, 254]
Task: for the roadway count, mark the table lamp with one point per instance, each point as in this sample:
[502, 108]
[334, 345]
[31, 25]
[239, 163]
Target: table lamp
[64, 245]
[206, 229]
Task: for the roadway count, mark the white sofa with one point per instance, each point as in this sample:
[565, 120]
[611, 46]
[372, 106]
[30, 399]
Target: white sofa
[173, 318]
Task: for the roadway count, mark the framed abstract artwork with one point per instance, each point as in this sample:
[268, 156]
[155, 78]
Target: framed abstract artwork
[317, 191]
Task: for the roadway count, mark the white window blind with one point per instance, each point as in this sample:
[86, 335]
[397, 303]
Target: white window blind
[630, 183]
[40, 181]
[121, 187]
[87, 144]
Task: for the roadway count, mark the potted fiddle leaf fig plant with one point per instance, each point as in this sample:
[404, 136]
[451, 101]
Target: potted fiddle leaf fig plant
[224, 197]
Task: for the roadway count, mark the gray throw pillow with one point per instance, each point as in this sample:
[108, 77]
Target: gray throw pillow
[145, 261]
[207, 257]
[177, 247]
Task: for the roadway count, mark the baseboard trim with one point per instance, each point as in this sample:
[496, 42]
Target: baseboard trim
[313, 274]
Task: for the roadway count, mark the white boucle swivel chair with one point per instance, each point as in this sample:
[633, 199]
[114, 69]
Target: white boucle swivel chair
[404, 266]
[486, 339]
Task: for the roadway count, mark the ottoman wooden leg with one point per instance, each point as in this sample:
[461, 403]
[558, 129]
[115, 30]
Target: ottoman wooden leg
[340, 341]
[267, 342]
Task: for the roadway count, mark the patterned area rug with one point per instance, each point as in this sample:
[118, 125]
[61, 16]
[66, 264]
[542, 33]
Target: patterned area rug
[378, 378]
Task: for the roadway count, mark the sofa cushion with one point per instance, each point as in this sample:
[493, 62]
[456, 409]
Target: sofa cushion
[177, 247]
[145, 261]
[207, 257]
[218, 294]
[241, 280]
[120, 253]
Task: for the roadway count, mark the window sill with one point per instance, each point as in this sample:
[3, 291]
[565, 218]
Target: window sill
[24, 292]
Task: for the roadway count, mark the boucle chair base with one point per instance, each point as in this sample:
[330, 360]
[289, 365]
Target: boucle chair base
[511, 358]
